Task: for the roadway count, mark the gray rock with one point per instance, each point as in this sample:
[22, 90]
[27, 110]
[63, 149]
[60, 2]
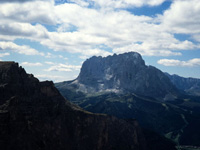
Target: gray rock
[124, 73]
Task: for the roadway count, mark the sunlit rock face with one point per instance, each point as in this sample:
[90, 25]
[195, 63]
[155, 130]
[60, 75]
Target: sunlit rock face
[124, 73]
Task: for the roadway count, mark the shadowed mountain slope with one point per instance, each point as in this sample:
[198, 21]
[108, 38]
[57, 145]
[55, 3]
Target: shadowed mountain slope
[34, 116]
[190, 85]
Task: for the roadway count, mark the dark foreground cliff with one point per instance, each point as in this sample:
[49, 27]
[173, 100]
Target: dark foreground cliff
[34, 116]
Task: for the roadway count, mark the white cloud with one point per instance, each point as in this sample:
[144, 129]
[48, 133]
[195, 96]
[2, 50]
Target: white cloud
[49, 63]
[30, 64]
[26, 50]
[96, 52]
[23, 30]
[4, 54]
[31, 12]
[183, 17]
[49, 55]
[159, 47]
[55, 78]
[119, 30]
[173, 62]
[20, 1]
[63, 67]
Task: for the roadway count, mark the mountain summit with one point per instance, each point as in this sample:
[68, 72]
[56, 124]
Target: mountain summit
[124, 73]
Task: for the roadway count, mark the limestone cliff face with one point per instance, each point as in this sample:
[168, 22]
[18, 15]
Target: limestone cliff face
[34, 116]
[124, 73]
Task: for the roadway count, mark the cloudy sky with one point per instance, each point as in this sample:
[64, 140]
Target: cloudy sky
[52, 38]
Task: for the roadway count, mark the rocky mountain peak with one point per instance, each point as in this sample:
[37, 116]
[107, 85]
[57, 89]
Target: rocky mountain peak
[134, 57]
[124, 73]
[99, 70]
[115, 60]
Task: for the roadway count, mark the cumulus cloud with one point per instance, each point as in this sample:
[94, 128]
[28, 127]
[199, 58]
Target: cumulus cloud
[82, 30]
[174, 62]
[23, 30]
[29, 12]
[63, 67]
[183, 17]
[49, 63]
[22, 1]
[30, 64]
[55, 78]
[4, 54]
[26, 50]
[159, 47]
[127, 32]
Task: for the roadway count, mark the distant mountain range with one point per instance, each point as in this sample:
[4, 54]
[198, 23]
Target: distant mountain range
[34, 116]
[190, 85]
[123, 86]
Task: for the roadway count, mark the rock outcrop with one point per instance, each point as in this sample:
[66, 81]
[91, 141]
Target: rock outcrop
[34, 116]
[123, 73]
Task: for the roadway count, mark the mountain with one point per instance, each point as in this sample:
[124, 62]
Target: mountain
[189, 85]
[34, 116]
[123, 73]
[123, 86]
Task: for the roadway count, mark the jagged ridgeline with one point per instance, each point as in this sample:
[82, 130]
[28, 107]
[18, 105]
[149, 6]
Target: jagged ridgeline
[34, 116]
[123, 86]
[190, 85]
[124, 73]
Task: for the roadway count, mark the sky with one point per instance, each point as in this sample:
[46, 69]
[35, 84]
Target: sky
[52, 38]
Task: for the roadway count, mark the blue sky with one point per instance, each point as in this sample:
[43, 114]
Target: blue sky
[51, 39]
